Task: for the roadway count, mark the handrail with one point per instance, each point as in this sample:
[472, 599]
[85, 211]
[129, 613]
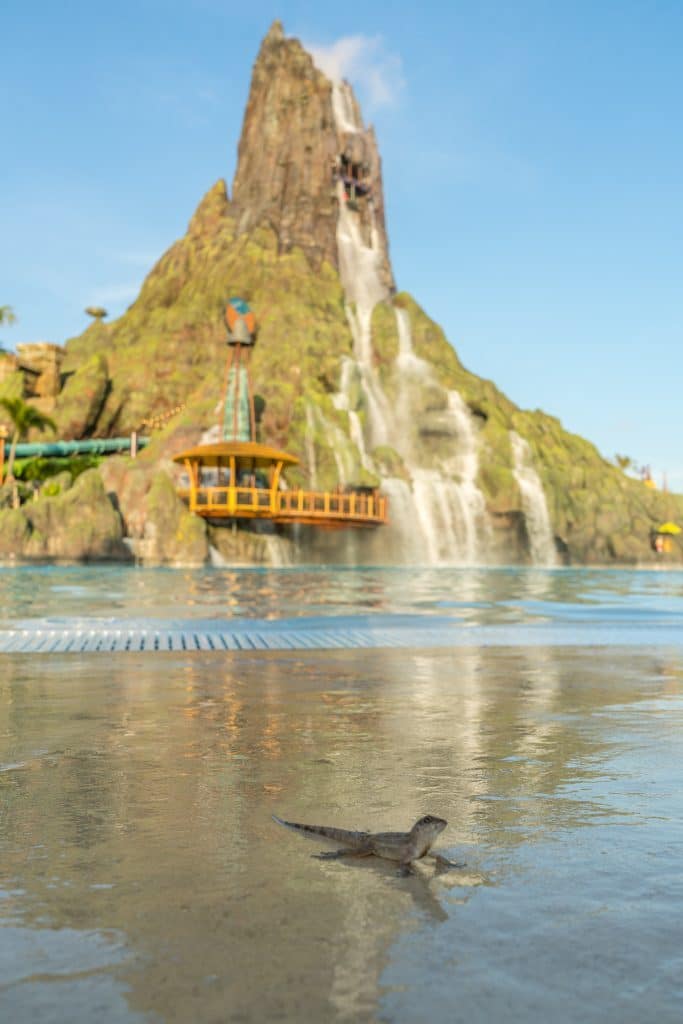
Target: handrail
[325, 503]
[288, 506]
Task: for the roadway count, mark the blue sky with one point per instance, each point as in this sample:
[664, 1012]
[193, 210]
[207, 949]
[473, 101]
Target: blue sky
[533, 172]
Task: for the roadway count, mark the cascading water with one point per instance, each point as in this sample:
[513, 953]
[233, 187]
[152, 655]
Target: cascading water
[451, 507]
[541, 543]
[360, 271]
[342, 105]
[279, 550]
[439, 517]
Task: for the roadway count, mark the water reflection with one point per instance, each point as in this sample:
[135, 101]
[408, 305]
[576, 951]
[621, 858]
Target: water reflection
[79, 964]
[136, 798]
[472, 596]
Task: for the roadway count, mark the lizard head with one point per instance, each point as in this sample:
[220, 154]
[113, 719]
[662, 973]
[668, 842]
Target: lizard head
[429, 827]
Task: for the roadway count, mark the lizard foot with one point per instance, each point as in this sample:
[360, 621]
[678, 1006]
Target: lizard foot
[445, 864]
[331, 854]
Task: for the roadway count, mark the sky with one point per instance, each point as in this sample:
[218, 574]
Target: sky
[532, 160]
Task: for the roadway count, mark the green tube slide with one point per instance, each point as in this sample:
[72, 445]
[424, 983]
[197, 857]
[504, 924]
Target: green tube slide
[55, 449]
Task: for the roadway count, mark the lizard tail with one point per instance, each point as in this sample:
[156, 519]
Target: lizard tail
[354, 840]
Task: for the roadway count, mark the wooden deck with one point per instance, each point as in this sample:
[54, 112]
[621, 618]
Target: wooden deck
[316, 508]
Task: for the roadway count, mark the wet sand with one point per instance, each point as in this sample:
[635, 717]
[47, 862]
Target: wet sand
[141, 878]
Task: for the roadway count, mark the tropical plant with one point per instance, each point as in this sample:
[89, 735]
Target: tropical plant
[6, 317]
[23, 417]
[625, 462]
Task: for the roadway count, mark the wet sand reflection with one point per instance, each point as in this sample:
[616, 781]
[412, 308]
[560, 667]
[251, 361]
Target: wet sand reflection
[136, 800]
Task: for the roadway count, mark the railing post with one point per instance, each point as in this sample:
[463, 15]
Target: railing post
[193, 485]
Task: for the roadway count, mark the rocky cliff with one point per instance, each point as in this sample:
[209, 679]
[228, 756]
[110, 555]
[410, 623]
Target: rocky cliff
[293, 151]
[358, 381]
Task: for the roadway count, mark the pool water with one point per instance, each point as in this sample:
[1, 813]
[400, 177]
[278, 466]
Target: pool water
[141, 875]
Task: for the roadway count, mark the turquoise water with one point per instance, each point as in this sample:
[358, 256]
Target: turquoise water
[142, 879]
[472, 596]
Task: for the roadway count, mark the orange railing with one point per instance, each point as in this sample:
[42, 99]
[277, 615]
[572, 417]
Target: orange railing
[288, 506]
[325, 505]
[232, 500]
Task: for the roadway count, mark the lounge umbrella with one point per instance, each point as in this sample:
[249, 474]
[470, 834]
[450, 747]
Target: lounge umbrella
[670, 528]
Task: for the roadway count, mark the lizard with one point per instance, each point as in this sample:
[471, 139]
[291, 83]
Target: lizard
[404, 847]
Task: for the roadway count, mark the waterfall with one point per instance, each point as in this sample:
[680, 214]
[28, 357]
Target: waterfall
[439, 515]
[342, 401]
[465, 463]
[279, 550]
[450, 506]
[215, 558]
[534, 506]
[343, 108]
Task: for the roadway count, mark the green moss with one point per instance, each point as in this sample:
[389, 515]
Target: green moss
[56, 484]
[80, 402]
[76, 524]
[178, 536]
[15, 532]
[499, 487]
[384, 333]
[12, 386]
[389, 462]
[40, 469]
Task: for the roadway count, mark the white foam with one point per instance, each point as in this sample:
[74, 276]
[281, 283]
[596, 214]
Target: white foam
[534, 505]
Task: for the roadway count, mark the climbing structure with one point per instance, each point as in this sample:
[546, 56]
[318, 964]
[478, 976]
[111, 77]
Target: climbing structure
[239, 478]
[239, 421]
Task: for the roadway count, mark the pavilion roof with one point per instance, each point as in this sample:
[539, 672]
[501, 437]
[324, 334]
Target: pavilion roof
[248, 451]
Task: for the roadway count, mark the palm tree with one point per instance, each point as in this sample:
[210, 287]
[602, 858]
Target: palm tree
[23, 417]
[6, 317]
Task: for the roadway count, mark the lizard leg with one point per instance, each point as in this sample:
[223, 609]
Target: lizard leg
[336, 854]
[444, 862]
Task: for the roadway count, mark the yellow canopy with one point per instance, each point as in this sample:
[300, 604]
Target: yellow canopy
[669, 528]
[249, 451]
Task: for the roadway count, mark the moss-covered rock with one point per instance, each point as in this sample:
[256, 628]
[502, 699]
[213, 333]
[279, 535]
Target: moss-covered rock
[172, 533]
[12, 384]
[389, 462]
[157, 523]
[80, 402]
[79, 524]
[57, 484]
[15, 532]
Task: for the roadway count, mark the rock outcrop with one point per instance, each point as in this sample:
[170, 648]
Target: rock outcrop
[64, 523]
[294, 152]
[358, 381]
[34, 373]
[82, 398]
[159, 528]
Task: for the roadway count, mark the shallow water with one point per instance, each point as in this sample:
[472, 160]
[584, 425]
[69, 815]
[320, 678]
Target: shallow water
[141, 878]
[476, 596]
